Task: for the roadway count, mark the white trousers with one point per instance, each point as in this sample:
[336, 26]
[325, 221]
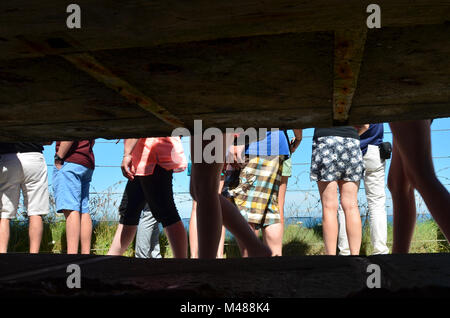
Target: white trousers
[374, 185]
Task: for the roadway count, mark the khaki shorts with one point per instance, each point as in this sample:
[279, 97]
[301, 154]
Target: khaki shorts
[26, 172]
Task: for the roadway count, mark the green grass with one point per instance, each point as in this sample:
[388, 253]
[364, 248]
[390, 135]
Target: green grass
[297, 240]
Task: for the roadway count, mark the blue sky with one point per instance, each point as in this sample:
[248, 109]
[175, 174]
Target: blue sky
[302, 196]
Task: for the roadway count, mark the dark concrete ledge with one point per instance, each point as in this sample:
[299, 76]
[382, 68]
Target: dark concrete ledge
[44, 275]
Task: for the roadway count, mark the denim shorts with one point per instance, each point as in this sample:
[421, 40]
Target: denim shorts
[71, 187]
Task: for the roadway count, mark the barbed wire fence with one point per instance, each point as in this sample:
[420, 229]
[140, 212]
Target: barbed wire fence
[105, 204]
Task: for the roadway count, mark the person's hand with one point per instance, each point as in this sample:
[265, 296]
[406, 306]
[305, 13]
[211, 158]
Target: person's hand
[128, 170]
[235, 156]
[58, 164]
[294, 144]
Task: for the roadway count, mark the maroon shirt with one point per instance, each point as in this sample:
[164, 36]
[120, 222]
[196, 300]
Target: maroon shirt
[80, 153]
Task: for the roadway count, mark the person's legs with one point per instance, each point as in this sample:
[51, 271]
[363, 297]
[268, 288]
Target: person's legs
[213, 209]
[85, 233]
[413, 141]
[242, 248]
[193, 242]
[374, 184]
[122, 239]
[343, 247]
[147, 237]
[158, 191]
[273, 237]
[221, 243]
[349, 202]
[133, 201]
[35, 195]
[71, 199]
[329, 199]
[222, 235]
[35, 231]
[11, 176]
[176, 234]
[86, 220]
[73, 228]
[403, 202]
[282, 199]
[4, 235]
[205, 186]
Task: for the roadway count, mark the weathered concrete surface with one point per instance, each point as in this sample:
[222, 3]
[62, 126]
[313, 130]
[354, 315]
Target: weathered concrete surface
[420, 275]
[139, 68]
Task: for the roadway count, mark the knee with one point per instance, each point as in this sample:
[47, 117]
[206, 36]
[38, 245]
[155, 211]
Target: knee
[398, 186]
[330, 206]
[349, 204]
[205, 183]
[422, 180]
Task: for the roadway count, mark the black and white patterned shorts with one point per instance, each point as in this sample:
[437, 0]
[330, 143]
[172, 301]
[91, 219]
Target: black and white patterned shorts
[336, 158]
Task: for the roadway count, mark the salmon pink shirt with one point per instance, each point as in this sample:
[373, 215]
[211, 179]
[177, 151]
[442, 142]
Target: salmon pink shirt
[167, 152]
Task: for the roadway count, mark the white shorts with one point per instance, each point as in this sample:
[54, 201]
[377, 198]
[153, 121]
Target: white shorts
[26, 171]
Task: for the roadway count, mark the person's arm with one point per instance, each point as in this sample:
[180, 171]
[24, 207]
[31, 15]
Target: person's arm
[362, 128]
[236, 156]
[127, 167]
[63, 149]
[295, 142]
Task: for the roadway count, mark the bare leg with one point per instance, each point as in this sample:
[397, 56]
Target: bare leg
[122, 239]
[86, 233]
[176, 234]
[222, 236]
[242, 248]
[213, 209]
[4, 235]
[349, 202]
[221, 243]
[205, 183]
[329, 198]
[73, 228]
[404, 204]
[282, 197]
[412, 139]
[273, 237]
[35, 230]
[193, 242]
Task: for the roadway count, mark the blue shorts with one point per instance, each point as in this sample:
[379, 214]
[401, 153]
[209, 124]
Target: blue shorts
[71, 187]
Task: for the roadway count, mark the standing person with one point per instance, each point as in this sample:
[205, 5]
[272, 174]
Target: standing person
[147, 236]
[214, 210]
[412, 168]
[287, 171]
[256, 196]
[23, 167]
[72, 175]
[148, 164]
[193, 235]
[336, 162]
[374, 184]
